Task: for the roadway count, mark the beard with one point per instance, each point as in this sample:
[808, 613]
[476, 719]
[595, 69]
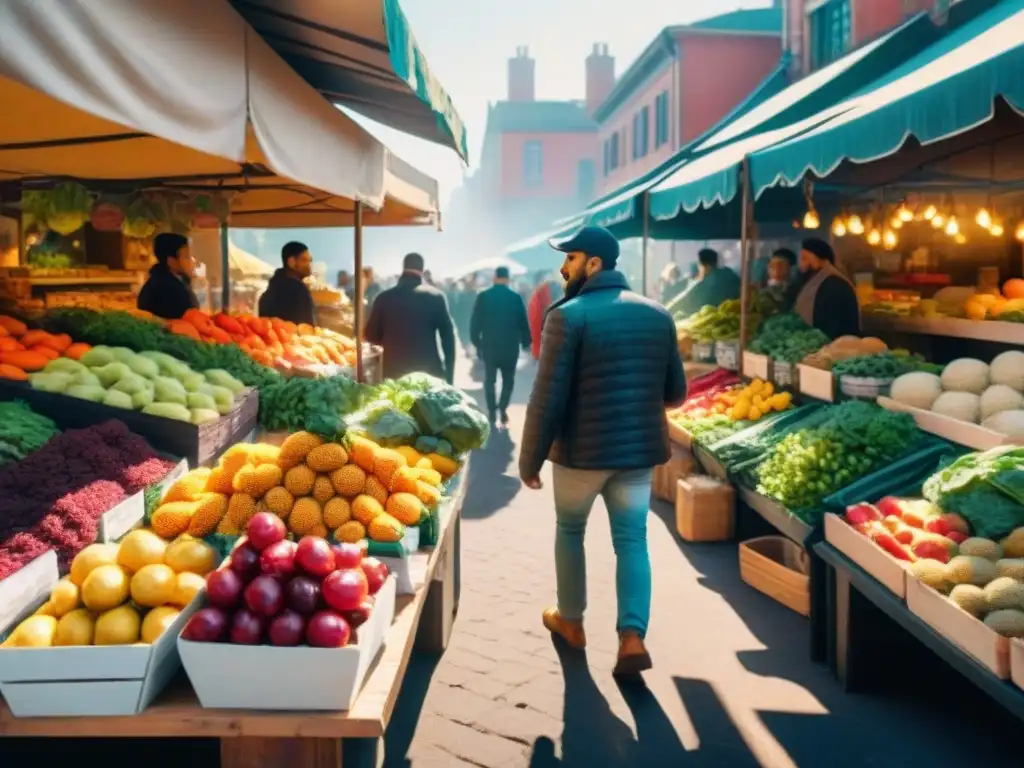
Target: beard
[574, 285]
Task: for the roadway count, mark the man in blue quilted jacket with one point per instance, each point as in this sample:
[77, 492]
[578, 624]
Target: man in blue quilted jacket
[609, 367]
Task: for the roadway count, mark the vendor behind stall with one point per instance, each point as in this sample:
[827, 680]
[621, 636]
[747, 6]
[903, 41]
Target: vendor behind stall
[780, 277]
[712, 286]
[168, 291]
[287, 297]
[826, 299]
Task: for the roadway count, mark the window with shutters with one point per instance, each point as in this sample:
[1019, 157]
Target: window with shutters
[830, 32]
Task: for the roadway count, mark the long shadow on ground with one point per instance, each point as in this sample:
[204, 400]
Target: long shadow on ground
[918, 710]
[493, 478]
[592, 735]
[402, 728]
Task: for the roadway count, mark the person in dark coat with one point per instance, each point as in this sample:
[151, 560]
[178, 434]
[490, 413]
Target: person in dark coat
[609, 367]
[287, 297]
[407, 321]
[825, 297]
[499, 329]
[168, 291]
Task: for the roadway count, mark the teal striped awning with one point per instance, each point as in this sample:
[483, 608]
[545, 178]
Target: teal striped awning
[944, 90]
[361, 54]
[711, 175]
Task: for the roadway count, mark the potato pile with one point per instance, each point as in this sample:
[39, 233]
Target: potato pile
[318, 488]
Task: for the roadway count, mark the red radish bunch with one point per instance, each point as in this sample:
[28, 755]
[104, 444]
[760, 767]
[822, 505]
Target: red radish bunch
[276, 592]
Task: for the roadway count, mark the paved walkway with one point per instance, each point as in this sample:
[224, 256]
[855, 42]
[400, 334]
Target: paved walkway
[732, 684]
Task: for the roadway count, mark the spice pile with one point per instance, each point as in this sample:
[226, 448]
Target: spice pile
[54, 498]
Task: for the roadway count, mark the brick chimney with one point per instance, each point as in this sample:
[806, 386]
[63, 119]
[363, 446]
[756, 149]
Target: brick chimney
[521, 76]
[600, 76]
[794, 27]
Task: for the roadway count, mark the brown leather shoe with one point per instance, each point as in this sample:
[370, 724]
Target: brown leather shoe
[633, 655]
[570, 631]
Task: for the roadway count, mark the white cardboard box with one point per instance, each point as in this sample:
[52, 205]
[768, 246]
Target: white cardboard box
[409, 570]
[116, 522]
[969, 634]
[84, 681]
[265, 677]
[756, 366]
[817, 383]
[25, 587]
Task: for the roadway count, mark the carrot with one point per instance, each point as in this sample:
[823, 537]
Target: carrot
[34, 337]
[27, 360]
[183, 328]
[7, 344]
[13, 326]
[12, 373]
[48, 352]
[75, 351]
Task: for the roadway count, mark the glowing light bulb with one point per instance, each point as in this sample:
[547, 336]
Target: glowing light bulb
[960, 238]
[938, 221]
[1019, 233]
[854, 225]
[997, 229]
[838, 227]
[31, 240]
[952, 227]
[930, 212]
[889, 239]
[874, 237]
[896, 223]
[811, 220]
[983, 218]
[904, 214]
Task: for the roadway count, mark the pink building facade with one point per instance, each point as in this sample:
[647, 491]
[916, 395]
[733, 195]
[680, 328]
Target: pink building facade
[685, 82]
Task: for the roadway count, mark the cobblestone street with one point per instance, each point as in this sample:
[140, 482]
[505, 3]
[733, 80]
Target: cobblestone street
[732, 684]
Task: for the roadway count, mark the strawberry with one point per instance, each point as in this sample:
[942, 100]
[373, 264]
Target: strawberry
[890, 505]
[862, 513]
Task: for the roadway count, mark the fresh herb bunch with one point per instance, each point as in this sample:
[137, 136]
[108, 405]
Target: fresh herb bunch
[885, 365]
[812, 463]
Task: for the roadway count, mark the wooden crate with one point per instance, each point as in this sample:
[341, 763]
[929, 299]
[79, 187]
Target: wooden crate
[663, 482]
[705, 509]
[780, 569]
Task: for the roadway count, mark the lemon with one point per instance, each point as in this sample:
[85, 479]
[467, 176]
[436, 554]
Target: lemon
[46, 609]
[119, 626]
[105, 587]
[75, 628]
[157, 621]
[34, 632]
[187, 586]
[193, 555]
[64, 598]
[153, 585]
[90, 558]
[139, 549]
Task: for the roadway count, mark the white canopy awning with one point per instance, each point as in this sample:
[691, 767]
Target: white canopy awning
[187, 94]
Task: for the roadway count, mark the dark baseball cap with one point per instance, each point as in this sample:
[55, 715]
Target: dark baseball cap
[593, 241]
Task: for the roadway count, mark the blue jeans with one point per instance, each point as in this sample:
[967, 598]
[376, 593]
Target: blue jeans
[627, 495]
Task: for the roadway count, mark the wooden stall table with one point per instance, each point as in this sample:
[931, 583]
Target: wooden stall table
[266, 739]
[856, 602]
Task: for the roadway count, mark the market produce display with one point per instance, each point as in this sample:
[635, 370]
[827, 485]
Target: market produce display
[787, 338]
[884, 365]
[747, 447]
[972, 391]
[844, 348]
[269, 341]
[22, 431]
[151, 382]
[986, 489]
[348, 491]
[813, 462]
[982, 576]
[119, 594]
[278, 592]
[24, 350]
[1006, 305]
[722, 406]
[54, 497]
[291, 404]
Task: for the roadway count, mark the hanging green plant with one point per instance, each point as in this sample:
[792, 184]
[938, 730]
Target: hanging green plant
[70, 208]
[143, 217]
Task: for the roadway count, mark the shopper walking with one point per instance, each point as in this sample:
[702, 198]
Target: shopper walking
[544, 295]
[499, 329]
[609, 368]
[408, 320]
